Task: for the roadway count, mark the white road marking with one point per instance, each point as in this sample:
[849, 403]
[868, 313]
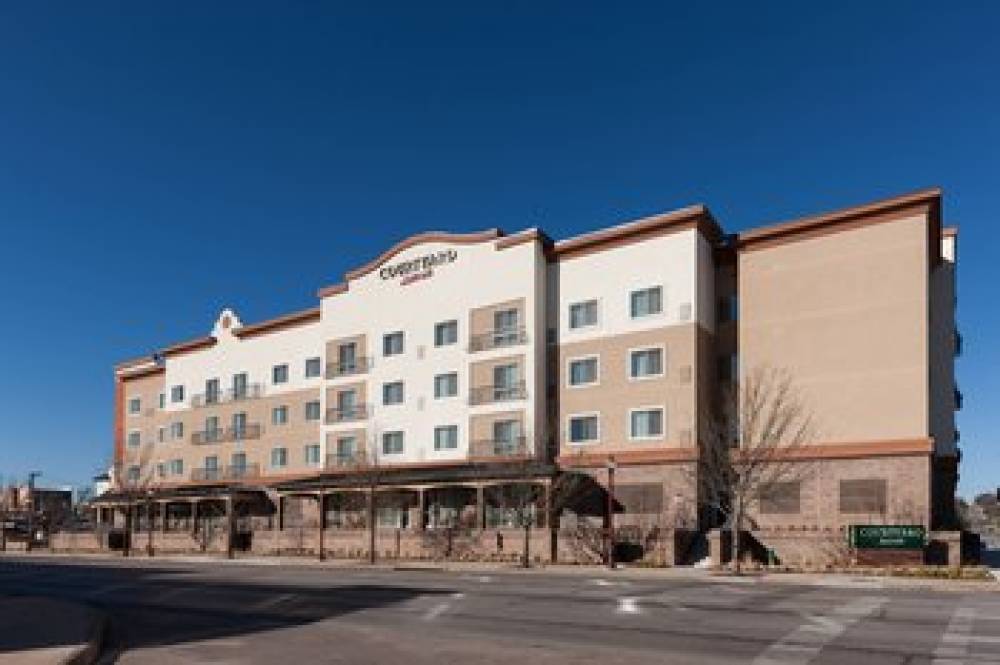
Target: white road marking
[436, 611]
[272, 601]
[954, 646]
[805, 642]
[628, 606]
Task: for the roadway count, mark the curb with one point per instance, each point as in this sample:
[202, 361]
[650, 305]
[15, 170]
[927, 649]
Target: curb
[89, 652]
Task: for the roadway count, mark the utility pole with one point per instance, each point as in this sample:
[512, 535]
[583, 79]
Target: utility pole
[31, 508]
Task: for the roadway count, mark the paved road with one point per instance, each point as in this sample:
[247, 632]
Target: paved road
[183, 612]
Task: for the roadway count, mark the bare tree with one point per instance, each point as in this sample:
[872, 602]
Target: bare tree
[134, 476]
[751, 442]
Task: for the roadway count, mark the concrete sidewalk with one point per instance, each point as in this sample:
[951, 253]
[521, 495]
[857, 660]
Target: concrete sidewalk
[45, 631]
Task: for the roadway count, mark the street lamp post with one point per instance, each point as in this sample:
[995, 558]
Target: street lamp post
[611, 512]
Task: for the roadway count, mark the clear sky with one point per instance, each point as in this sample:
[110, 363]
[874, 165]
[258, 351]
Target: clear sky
[159, 161]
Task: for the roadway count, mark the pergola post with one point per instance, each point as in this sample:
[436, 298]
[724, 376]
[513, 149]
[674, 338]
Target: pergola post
[321, 497]
[230, 525]
[194, 517]
[481, 507]
[164, 505]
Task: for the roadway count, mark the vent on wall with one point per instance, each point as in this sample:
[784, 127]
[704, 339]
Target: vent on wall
[684, 311]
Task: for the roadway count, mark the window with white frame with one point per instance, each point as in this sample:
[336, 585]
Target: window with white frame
[177, 467]
[347, 447]
[583, 371]
[646, 423]
[161, 434]
[646, 363]
[212, 465]
[162, 400]
[446, 437]
[177, 430]
[239, 462]
[312, 454]
[646, 302]
[241, 384]
[583, 314]
[446, 385]
[279, 415]
[279, 374]
[392, 393]
[279, 457]
[314, 367]
[312, 410]
[445, 333]
[134, 438]
[392, 443]
[133, 474]
[134, 406]
[212, 391]
[177, 394]
[584, 428]
[392, 343]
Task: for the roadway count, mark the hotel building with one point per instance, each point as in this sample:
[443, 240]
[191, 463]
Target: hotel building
[453, 364]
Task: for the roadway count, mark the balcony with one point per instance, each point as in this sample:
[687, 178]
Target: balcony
[339, 369]
[346, 415]
[496, 339]
[252, 391]
[501, 393]
[208, 436]
[215, 474]
[249, 431]
[346, 460]
[514, 447]
[207, 474]
[241, 471]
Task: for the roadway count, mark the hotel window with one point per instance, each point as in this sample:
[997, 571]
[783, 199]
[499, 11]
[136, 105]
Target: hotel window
[312, 454]
[279, 415]
[583, 429]
[346, 449]
[780, 498]
[240, 385]
[134, 406]
[646, 302]
[133, 474]
[163, 400]
[347, 358]
[177, 467]
[161, 434]
[346, 403]
[279, 374]
[863, 496]
[239, 462]
[392, 393]
[646, 363]
[177, 394]
[312, 410]
[279, 458]
[583, 371]
[392, 443]
[313, 367]
[445, 333]
[646, 423]
[177, 430]
[211, 467]
[239, 425]
[134, 438]
[505, 327]
[161, 470]
[446, 385]
[583, 314]
[211, 391]
[506, 436]
[392, 344]
[446, 437]
[505, 382]
[212, 431]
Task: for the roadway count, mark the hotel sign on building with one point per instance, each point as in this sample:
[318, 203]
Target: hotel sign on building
[412, 270]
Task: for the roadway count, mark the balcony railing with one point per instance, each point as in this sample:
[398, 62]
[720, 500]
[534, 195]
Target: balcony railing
[497, 393]
[346, 460]
[514, 447]
[208, 436]
[217, 473]
[356, 412]
[248, 431]
[358, 366]
[495, 339]
[252, 391]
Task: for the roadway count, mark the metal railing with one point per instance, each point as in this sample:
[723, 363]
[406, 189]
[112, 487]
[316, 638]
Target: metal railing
[242, 471]
[497, 393]
[206, 474]
[495, 339]
[513, 447]
[208, 436]
[217, 473]
[346, 460]
[356, 412]
[248, 431]
[358, 366]
[252, 391]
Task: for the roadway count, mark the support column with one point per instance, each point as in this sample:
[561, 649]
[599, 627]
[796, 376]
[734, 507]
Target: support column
[422, 503]
[194, 517]
[279, 519]
[230, 524]
[163, 515]
[480, 507]
[322, 524]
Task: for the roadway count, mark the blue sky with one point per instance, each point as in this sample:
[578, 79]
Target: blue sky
[159, 161]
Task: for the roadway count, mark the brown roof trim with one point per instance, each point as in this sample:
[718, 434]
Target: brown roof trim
[697, 216]
[332, 290]
[190, 345]
[279, 323]
[846, 218]
[142, 373]
[134, 362]
[528, 235]
[627, 457]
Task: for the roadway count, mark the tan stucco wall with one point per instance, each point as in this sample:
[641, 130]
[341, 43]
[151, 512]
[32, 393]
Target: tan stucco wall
[847, 315]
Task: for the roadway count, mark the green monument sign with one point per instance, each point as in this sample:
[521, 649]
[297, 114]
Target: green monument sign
[880, 536]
